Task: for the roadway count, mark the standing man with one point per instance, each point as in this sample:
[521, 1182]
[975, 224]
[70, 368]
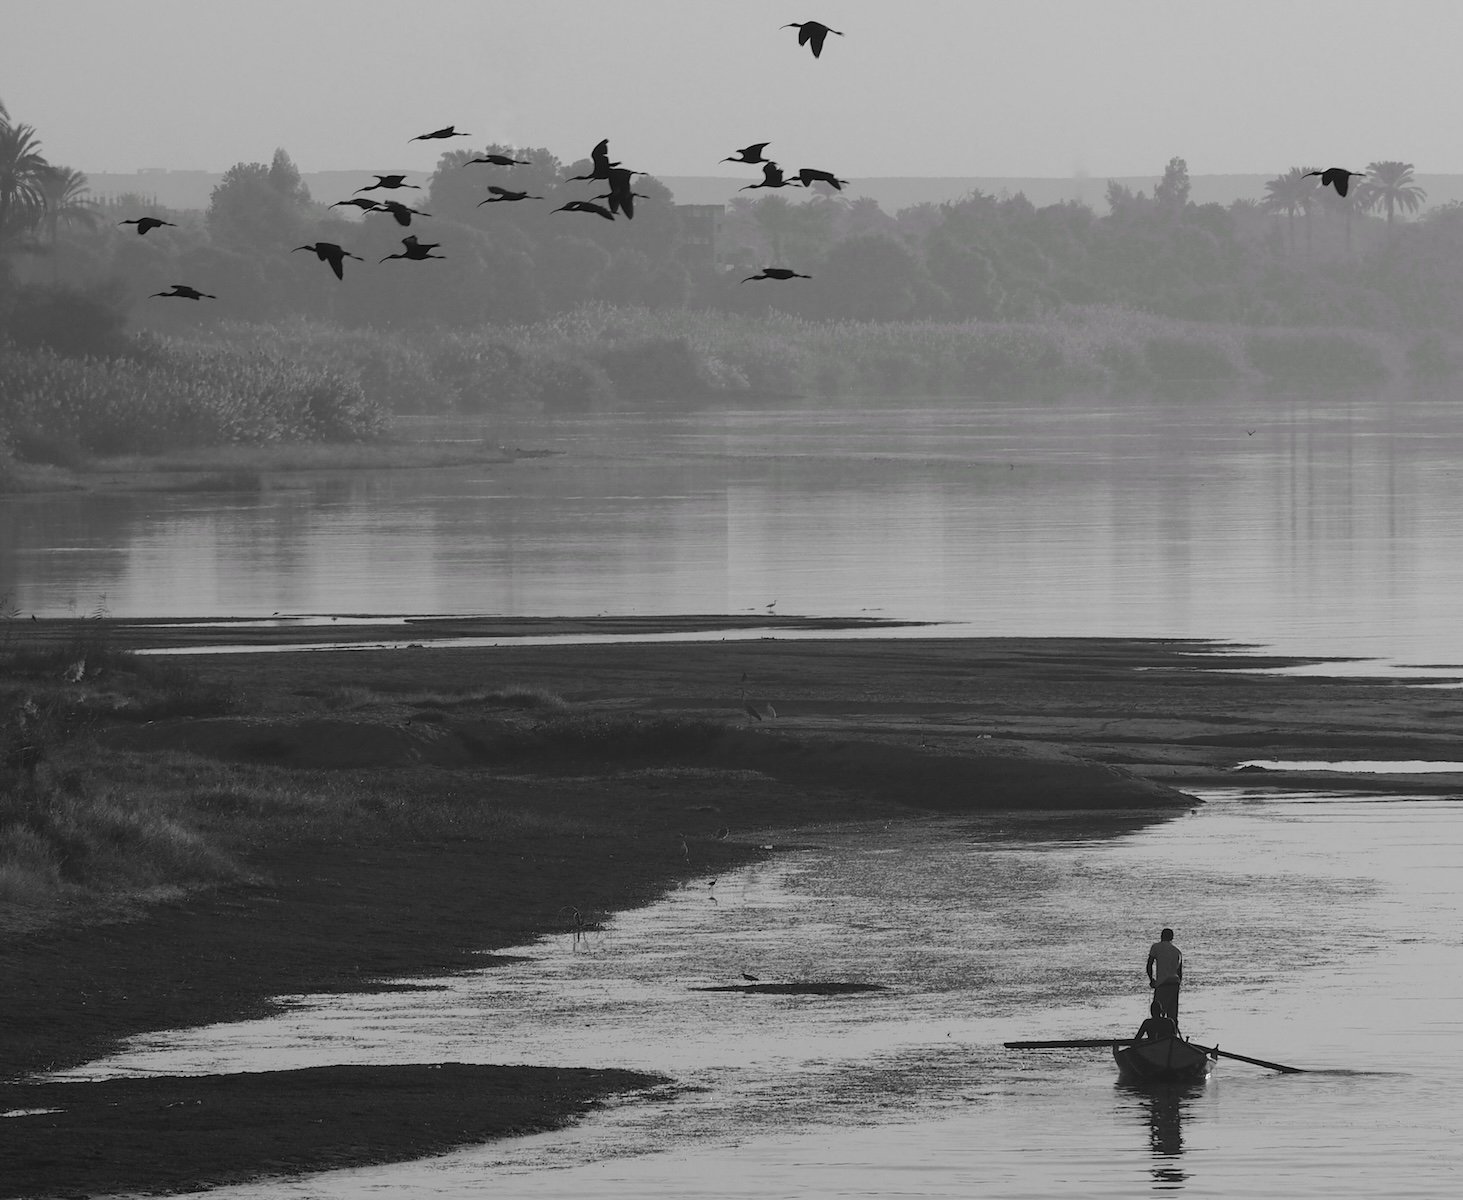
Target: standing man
[1165, 974]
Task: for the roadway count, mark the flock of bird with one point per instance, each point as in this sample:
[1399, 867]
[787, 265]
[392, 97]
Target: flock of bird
[617, 201]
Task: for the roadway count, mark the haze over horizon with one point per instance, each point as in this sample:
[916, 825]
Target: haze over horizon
[947, 88]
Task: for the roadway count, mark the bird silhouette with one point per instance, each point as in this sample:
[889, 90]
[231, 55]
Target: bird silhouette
[775, 273]
[361, 202]
[503, 195]
[771, 178]
[620, 197]
[810, 176]
[329, 252]
[586, 206]
[498, 160]
[446, 131]
[750, 978]
[145, 223]
[181, 291]
[758, 710]
[812, 34]
[599, 163]
[388, 181]
[400, 211]
[416, 250]
[1338, 177]
[750, 154]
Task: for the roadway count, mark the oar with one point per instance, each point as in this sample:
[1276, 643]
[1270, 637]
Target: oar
[1075, 1044]
[1259, 1062]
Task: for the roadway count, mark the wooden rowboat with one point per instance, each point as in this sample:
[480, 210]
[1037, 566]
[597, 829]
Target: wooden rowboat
[1164, 1060]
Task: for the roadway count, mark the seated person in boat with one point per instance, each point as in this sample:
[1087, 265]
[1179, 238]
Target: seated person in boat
[1156, 1026]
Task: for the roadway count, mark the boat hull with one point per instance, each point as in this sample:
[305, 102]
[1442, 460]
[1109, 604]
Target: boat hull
[1164, 1060]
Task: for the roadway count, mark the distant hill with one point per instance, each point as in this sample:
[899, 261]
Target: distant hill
[191, 189]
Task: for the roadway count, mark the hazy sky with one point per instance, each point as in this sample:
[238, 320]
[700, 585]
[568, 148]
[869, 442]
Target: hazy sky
[918, 87]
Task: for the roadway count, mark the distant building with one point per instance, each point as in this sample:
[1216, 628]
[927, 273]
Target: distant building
[700, 234]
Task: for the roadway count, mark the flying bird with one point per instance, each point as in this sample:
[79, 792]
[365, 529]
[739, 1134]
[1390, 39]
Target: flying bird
[145, 223]
[360, 202]
[446, 131]
[416, 250]
[329, 252]
[586, 206]
[502, 195]
[498, 160]
[812, 34]
[400, 211]
[750, 154]
[771, 178]
[1338, 177]
[810, 176]
[181, 291]
[389, 181]
[776, 273]
[599, 160]
[620, 196]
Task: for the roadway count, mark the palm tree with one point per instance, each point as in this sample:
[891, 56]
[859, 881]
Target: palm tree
[1390, 185]
[64, 194]
[1291, 193]
[22, 170]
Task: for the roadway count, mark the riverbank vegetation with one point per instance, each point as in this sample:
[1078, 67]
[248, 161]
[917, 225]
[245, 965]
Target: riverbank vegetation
[534, 311]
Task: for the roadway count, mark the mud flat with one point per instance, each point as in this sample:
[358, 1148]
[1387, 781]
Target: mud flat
[372, 818]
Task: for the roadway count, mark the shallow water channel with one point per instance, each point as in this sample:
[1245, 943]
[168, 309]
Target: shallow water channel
[1320, 931]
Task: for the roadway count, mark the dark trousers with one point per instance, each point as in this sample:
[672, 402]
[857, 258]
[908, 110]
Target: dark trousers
[1167, 995]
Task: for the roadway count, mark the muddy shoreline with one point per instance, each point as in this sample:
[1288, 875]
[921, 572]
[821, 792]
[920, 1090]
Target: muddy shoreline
[863, 728]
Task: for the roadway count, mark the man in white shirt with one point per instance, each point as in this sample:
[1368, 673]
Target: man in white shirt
[1165, 974]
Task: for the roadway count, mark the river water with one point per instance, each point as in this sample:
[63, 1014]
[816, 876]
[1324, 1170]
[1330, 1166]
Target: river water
[1317, 525]
[1320, 931]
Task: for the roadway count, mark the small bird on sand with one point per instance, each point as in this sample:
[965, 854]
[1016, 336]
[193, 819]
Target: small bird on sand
[145, 223]
[415, 250]
[586, 206]
[812, 34]
[750, 154]
[389, 181]
[447, 131]
[1338, 177]
[329, 252]
[498, 160]
[181, 291]
[750, 978]
[810, 176]
[503, 195]
[776, 273]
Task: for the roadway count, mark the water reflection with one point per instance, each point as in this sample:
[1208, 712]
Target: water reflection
[1163, 1106]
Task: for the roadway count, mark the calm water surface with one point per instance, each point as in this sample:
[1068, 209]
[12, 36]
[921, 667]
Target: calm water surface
[1323, 526]
[1320, 930]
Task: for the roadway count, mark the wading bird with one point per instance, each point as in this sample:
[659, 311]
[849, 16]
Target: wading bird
[810, 176]
[759, 710]
[400, 211]
[446, 131]
[503, 195]
[1338, 177]
[389, 181]
[145, 223]
[771, 177]
[812, 34]
[359, 202]
[776, 273]
[329, 252]
[586, 206]
[181, 291]
[498, 160]
[750, 154]
[416, 250]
